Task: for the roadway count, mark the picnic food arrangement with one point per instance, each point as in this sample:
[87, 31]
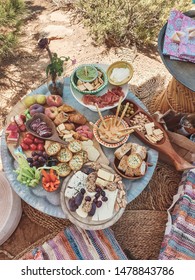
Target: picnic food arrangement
[59, 150]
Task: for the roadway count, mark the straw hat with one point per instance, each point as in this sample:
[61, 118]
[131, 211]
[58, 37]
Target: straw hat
[10, 209]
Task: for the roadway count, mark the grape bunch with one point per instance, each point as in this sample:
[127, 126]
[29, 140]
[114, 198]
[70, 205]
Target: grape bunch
[37, 159]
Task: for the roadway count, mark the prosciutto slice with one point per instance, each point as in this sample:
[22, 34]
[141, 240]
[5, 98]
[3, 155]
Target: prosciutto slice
[108, 99]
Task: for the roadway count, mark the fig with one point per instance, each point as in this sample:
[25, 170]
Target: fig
[71, 203]
[79, 199]
[93, 209]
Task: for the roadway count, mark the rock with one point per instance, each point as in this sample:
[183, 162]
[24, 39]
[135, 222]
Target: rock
[57, 31]
[59, 16]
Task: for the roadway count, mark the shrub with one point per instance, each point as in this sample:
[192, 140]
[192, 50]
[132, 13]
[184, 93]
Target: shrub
[121, 22]
[10, 15]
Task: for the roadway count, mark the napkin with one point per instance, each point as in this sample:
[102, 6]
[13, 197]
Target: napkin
[187, 43]
[174, 24]
[179, 41]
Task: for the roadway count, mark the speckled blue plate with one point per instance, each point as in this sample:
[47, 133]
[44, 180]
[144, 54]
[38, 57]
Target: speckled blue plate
[49, 203]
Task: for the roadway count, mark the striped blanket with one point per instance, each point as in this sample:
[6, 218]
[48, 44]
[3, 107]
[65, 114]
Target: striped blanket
[77, 244]
[179, 239]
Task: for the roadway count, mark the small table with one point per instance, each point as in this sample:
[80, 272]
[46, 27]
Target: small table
[180, 93]
[49, 203]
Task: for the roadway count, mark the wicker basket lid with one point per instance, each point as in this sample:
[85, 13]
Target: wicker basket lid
[10, 209]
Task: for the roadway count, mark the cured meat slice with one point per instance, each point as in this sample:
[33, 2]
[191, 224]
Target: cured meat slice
[108, 99]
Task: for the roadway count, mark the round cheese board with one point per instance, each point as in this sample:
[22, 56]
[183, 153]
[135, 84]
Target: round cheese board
[93, 198]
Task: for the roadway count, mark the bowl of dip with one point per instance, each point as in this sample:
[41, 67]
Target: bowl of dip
[119, 73]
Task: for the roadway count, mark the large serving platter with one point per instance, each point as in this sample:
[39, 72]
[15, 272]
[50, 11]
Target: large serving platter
[49, 203]
[78, 96]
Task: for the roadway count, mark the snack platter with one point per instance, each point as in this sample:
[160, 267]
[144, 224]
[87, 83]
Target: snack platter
[48, 199]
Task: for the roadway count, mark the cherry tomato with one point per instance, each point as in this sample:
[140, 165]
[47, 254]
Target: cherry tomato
[38, 141]
[40, 147]
[27, 141]
[33, 147]
[24, 146]
[28, 135]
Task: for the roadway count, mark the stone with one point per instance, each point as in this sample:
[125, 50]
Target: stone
[59, 16]
[57, 31]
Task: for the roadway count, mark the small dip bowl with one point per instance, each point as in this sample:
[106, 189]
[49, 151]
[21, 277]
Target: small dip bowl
[86, 73]
[74, 79]
[120, 67]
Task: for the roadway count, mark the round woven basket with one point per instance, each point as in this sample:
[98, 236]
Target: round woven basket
[176, 97]
[10, 209]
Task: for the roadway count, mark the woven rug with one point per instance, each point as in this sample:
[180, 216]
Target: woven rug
[179, 239]
[75, 243]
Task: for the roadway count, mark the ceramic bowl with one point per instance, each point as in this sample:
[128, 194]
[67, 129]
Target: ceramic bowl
[122, 174]
[74, 79]
[109, 144]
[120, 64]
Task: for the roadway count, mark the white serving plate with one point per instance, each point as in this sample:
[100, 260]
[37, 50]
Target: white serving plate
[78, 96]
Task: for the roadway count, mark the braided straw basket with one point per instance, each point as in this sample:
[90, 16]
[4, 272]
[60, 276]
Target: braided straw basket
[176, 97]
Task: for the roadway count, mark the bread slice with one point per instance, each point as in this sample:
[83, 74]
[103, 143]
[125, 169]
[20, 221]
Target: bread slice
[63, 169]
[64, 155]
[138, 149]
[129, 172]
[120, 152]
[76, 162]
[53, 149]
[75, 146]
[123, 163]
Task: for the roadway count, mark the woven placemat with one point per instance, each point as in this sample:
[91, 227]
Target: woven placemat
[141, 232]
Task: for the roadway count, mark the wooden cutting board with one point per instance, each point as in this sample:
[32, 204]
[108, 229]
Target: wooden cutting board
[19, 108]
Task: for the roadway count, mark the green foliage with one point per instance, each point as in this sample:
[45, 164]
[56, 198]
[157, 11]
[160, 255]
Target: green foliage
[56, 67]
[122, 22]
[10, 21]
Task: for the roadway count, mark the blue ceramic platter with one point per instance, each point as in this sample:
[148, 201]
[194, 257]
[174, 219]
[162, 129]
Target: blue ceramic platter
[49, 203]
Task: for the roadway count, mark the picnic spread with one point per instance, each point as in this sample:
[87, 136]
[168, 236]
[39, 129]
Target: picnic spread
[85, 154]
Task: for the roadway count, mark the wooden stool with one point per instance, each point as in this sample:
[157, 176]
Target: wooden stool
[176, 97]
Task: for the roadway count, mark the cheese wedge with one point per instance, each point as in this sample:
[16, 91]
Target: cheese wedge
[105, 175]
[100, 182]
[149, 128]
